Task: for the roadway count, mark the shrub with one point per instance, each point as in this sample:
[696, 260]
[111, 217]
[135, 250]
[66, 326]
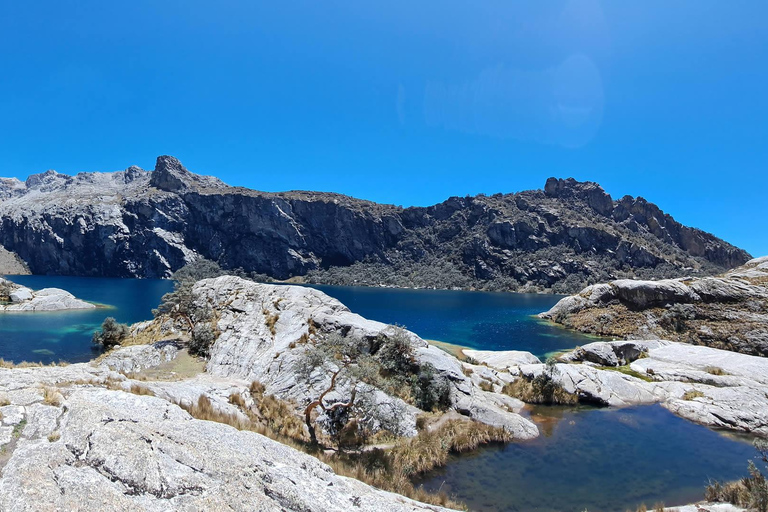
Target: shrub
[430, 391]
[5, 290]
[203, 337]
[111, 333]
[750, 492]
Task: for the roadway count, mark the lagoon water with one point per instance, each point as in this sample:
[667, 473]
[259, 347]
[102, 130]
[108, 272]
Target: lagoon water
[494, 321]
[587, 458]
[597, 460]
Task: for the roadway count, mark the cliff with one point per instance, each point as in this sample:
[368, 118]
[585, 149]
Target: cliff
[136, 223]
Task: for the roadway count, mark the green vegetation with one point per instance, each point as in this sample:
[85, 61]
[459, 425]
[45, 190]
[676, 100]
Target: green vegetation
[626, 370]
[180, 305]
[5, 290]
[542, 389]
[357, 367]
[750, 492]
[111, 333]
[390, 469]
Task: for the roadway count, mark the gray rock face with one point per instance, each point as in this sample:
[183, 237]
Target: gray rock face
[502, 358]
[136, 223]
[47, 299]
[249, 349]
[111, 450]
[729, 311]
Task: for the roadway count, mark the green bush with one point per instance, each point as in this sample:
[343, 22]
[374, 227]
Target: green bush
[111, 334]
[430, 391]
[203, 337]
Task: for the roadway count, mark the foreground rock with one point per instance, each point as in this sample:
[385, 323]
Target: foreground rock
[717, 388]
[137, 223]
[264, 327]
[47, 299]
[729, 311]
[90, 448]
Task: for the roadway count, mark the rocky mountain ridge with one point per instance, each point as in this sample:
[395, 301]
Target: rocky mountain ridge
[136, 223]
[729, 311]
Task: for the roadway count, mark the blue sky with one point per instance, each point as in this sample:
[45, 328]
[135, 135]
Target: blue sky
[403, 102]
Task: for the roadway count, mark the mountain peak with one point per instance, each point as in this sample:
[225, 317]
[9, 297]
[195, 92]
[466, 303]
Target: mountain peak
[587, 191]
[172, 176]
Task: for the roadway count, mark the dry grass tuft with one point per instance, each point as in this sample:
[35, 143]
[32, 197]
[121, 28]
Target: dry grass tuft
[138, 389]
[204, 410]
[51, 396]
[271, 320]
[691, 394]
[237, 400]
[27, 364]
[54, 436]
[714, 370]
[539, 391]
[486, 385]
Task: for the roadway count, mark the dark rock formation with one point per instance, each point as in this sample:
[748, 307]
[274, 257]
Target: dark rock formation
[727, 312]
[136, 223]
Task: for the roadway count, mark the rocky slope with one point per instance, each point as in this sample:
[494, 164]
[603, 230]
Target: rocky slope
[729, 311]
[69, 444]
[264, 330]
[147, 224]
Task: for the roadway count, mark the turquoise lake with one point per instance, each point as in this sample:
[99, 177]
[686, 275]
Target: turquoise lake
[586, 458]
[494, 321]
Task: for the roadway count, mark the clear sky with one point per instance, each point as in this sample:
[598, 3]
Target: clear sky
[405, 102]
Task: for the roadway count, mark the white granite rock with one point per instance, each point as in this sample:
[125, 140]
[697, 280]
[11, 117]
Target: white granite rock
[47, 299]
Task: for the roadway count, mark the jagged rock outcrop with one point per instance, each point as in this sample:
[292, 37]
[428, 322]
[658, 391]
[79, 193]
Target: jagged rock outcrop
[21, 298]
[147, 224]
[729, 311]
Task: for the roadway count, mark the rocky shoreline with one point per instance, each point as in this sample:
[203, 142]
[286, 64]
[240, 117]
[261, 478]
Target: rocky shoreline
[116, 433]
[21, 298]
[729, 311]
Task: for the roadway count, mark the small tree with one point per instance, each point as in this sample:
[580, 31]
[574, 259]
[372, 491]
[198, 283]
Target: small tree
[203, 336]
[180, 302]
[345, 359]
[111, 334]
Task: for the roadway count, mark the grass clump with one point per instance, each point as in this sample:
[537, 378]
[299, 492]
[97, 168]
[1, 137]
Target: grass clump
[51, 396]
[54, 436]
[18, 429]
[138, 389]
[271, 321]
[750, 492]
[486, 385]
[542, 389]
[715, 370]
[626, 370]
[692, 394]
